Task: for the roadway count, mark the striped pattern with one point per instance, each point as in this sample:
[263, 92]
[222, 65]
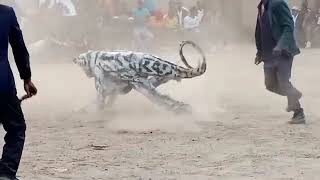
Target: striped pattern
[117, 72]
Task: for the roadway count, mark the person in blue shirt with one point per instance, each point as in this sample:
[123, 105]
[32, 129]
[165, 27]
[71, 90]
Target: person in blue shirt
[141, 32]
[141, 15]
[11, 115]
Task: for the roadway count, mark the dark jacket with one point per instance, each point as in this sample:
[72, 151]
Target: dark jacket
[10, 33]
[282, 27]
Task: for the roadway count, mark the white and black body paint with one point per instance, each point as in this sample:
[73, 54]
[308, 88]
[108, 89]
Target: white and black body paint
[118, 72]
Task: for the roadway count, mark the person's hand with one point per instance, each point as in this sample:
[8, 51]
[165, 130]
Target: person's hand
[276, 52]
[30, 88]
[257, 60]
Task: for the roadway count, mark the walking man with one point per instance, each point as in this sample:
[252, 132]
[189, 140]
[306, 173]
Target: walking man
[277, 47]
[11, 115]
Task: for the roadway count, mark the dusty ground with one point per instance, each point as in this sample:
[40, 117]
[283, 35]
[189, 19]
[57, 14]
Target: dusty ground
[239, 130]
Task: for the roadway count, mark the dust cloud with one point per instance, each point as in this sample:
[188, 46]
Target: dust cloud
[238, 130]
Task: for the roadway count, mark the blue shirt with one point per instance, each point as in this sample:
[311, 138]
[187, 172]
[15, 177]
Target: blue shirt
[141, 16]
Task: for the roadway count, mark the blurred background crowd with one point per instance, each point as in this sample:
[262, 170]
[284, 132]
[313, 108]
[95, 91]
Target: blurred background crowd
[147, 25]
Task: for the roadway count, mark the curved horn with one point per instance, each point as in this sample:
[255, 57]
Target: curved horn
[194, 45]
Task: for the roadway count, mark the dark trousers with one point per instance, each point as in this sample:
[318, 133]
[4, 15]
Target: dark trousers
[277, 73]
[12, 119]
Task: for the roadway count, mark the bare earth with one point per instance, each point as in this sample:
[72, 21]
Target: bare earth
[238, 131]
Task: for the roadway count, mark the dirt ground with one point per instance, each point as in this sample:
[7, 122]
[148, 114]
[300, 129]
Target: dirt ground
[238, 130]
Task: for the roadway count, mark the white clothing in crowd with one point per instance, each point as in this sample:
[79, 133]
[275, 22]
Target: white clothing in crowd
[69, 8]
[193, 22]
[295, 16]
[180, 15]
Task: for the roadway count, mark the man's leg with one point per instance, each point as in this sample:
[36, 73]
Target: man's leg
[286, 88]
[162, 100]
[14, 124]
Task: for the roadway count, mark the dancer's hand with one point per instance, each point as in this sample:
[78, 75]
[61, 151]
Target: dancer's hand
[30, 88]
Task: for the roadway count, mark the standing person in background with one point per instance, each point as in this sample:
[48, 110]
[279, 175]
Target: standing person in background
[295, 13]
[200, 6]
[193, 20]
[181, 13]
[309, 25]
[11, 115]
[171, 20]
[277, 47]
[142, 34]
[157, 19]
[300, 23]
[192, 25]
[298, 26]
[200, 10]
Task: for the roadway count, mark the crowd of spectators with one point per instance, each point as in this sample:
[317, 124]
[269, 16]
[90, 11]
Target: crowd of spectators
[138, 24]
[133, 24]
